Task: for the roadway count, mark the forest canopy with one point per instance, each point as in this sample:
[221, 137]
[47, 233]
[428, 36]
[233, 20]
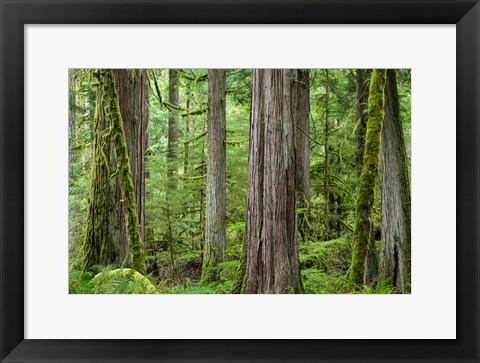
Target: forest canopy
[230, 181]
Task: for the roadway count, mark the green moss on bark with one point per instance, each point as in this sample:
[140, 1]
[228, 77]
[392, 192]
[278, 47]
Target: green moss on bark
[366, 192]
[108, 112]
[100, 247]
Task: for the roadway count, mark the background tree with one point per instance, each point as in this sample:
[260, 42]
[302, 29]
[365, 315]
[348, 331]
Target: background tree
[133, 100]
[302, 114]
[366, 193]
[173, 100]
[215, 241]
[72, 129]
[272, 264]
[395, 253]
[362, 78]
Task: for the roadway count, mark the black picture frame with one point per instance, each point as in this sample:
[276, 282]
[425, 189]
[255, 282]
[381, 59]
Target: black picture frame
[16, 13]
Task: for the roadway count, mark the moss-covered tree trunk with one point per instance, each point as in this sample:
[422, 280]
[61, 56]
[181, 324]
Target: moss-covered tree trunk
[132, 91]
[111, 159]
[101, 243]
[362, 76]
[215, 237]
[272, 263]
[366, 191]
[301, 96]
[395, 186]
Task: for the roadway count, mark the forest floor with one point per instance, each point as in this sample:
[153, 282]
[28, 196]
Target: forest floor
[324, 269]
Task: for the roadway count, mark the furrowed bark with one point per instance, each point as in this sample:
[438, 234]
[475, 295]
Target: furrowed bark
[272, 264]
[215, 238]
[396, 244]
[132, 91]
[301, 95]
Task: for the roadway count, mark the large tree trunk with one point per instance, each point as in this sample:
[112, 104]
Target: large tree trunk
[101, 244]
[362, 116]
[302, 114]
[272, 264]
[132, 91]
[395, 254]
[111, 158]
[366, 191]
[215, 241]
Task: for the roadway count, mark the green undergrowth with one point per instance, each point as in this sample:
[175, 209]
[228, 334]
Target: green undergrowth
[324, 268]
[326, 256]
[118, 281]
[320, 282]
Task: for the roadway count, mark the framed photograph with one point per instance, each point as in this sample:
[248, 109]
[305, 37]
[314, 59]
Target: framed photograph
[239, 181]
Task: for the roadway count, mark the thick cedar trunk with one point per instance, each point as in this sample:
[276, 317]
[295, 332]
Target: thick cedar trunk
[215, 241]
[395, 254]
[272, 264]
[111, 158]
[366, 192]
[362, 116]
[132, 89]
[101, 246]
[301, 95]
[173, 98]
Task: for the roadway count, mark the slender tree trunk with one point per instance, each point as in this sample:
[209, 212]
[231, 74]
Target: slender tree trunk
[395, 254]
[72, 131]
[186, 146]
[326, 162]
[366, 192]
[362, 116]
[272, 264]
[215, 241]
[132, 90]
[111, 158]
[173, 98]
[302, 114]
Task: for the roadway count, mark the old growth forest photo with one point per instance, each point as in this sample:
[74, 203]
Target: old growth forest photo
[239, 181]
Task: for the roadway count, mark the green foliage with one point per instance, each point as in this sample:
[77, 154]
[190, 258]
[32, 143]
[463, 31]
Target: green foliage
[122, 281]
[325, 256]
[319, 282]
[80, 282]
[384, 287]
